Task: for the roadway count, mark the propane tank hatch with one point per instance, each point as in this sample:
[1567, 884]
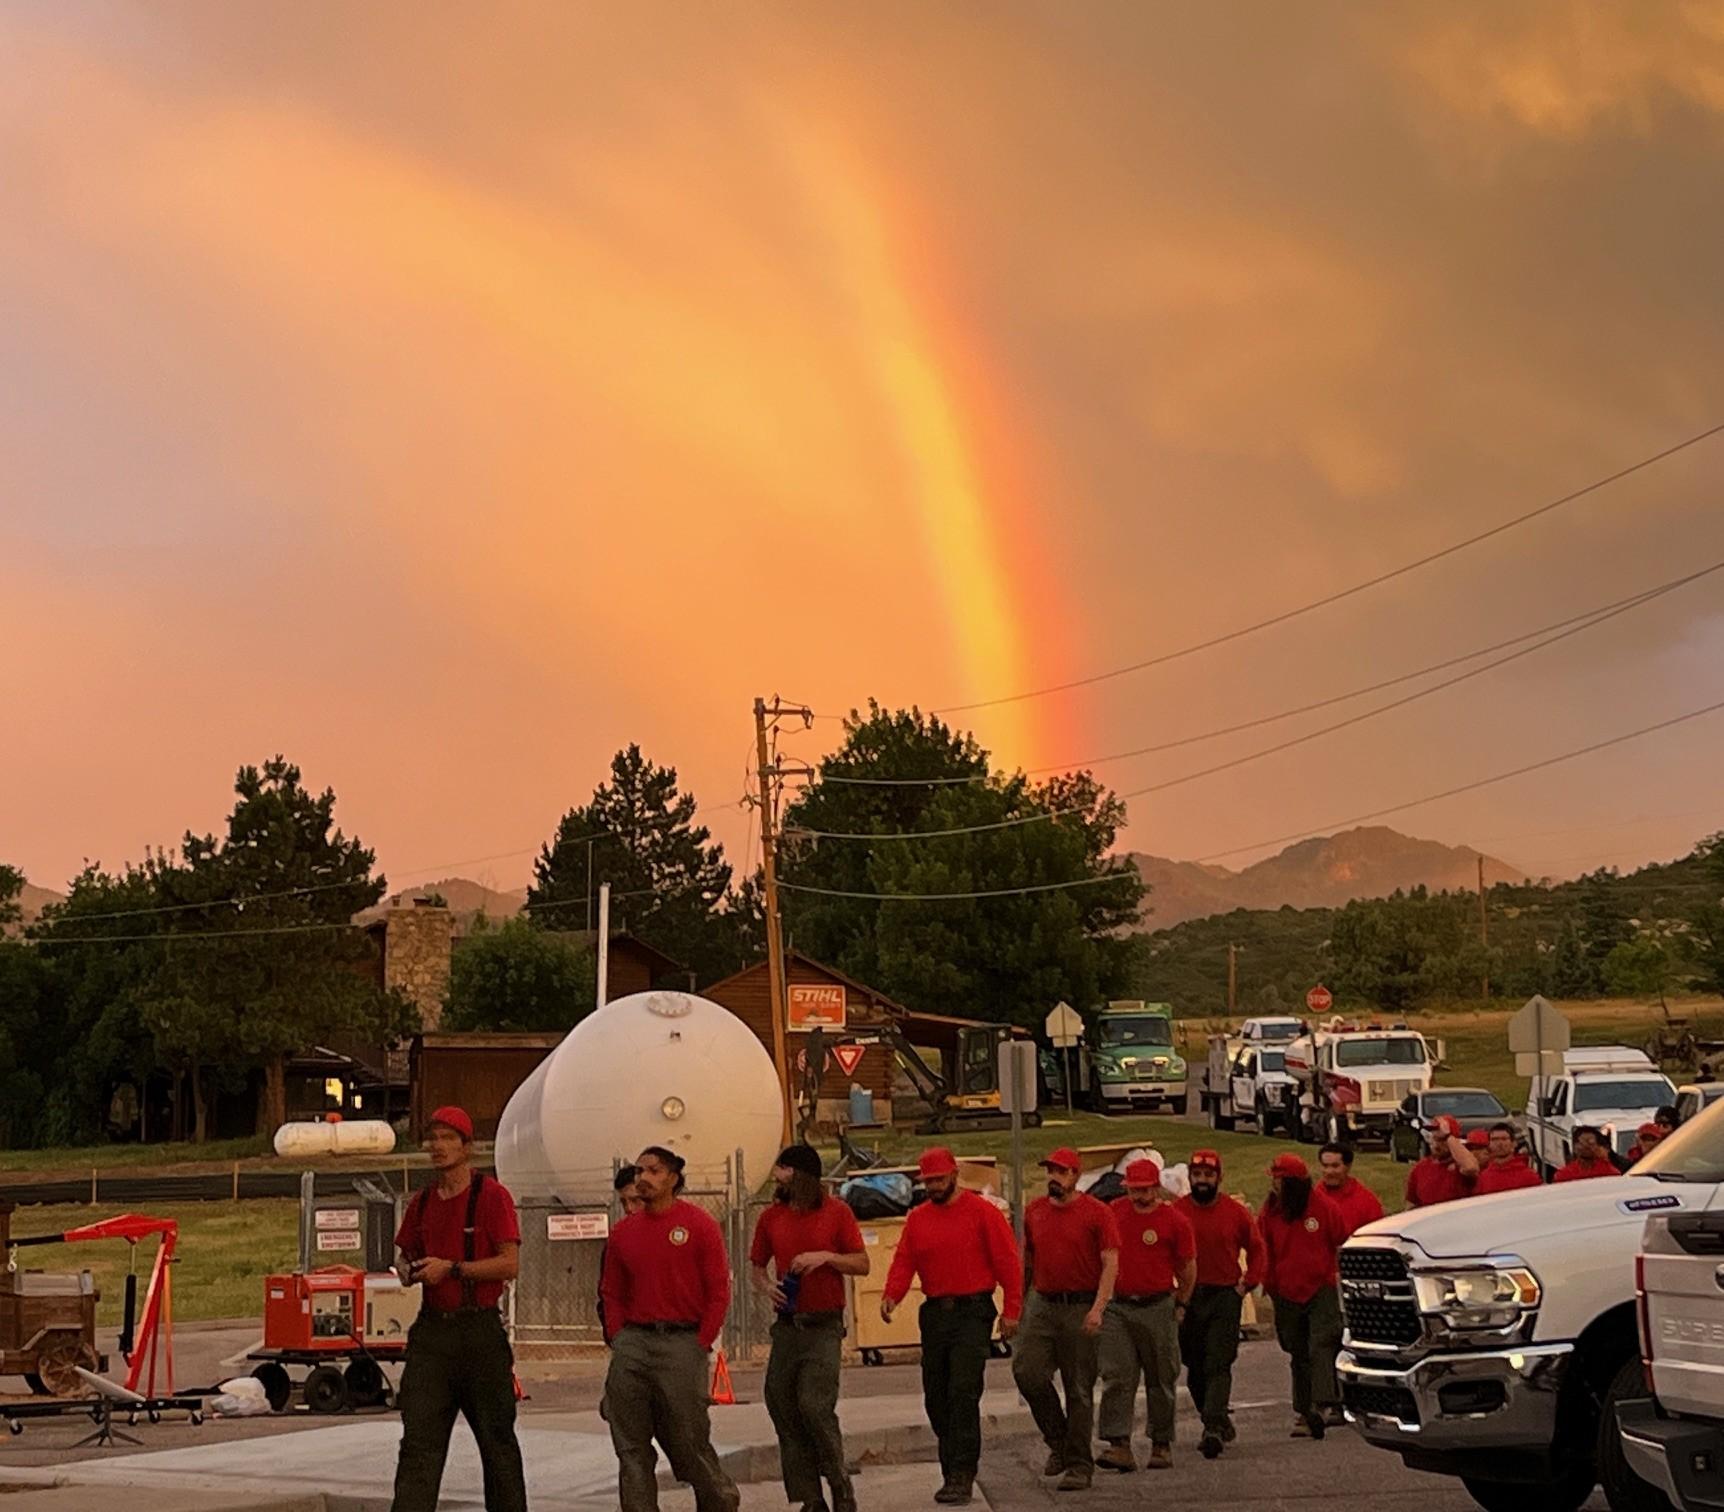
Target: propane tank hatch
[673, 1108]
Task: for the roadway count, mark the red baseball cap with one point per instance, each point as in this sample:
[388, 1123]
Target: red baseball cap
[1204, 1158]
[454, 1118]
[939, 1161]
[1479, 1139]
[1289, 1165]
[1143, 1173]
[1068, 1160]
[1649, 1131]
[1447, 1123]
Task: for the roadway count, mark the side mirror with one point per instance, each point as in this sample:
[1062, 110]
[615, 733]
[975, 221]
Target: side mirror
[1441, 1051]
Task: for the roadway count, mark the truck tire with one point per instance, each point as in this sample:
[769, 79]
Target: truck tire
[1623, 1489]
[1565, 1495]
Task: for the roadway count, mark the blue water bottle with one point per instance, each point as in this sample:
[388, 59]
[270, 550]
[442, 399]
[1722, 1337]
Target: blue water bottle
[790, 1285]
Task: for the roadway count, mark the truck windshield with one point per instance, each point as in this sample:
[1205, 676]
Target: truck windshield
[1136, 1031]
[1465, 1104]
[1695, 1152]
[1280, 1029]
[1272, 1060]
[1380, 1052]
[1590, 1096]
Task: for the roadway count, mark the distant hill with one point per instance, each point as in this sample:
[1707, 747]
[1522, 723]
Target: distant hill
[33, 900]
[1325, 873]
[466, 900]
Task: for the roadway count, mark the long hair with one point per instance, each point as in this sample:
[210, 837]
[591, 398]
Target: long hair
[1295, 1197]
[804, 1191]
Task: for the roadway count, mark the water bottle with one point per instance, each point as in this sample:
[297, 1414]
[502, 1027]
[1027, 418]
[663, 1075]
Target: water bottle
[790, 1285]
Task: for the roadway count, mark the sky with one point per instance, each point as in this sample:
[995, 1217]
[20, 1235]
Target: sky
[448, 395]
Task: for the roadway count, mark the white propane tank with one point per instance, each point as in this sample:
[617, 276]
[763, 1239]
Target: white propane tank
[363, 1136]
[297, 1141]
[655, 1068]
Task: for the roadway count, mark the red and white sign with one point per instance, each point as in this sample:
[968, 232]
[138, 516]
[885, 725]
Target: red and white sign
[820, 1007]
[849, 1057]
[577, 1225]
[1319, 999]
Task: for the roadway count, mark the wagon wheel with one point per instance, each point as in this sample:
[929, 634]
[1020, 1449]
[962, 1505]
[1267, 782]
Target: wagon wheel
[57, 1362]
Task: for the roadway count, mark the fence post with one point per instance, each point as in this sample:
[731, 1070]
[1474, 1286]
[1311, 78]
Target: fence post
[92, 1186]
[236, 1181]
[307, 1196]
[742, 1286]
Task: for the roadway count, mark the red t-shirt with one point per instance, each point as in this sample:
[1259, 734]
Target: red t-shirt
[1066, 1241]
[1358, 1204]
[1432, 1181]
[1223, 1228]
[1513, 1174]
[442, 1236]
[958, 1248]
[783, 1233]
[667, 1267]
[1153, 1248]
[1301, 1250]
[1582, 1170]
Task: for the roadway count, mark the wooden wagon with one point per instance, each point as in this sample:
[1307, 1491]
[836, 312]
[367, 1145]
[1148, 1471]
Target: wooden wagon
[47, 1322]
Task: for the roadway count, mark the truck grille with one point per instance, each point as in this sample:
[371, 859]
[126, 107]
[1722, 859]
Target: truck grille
[1389, 1091]
[1377, 1297]
[1381, 1401]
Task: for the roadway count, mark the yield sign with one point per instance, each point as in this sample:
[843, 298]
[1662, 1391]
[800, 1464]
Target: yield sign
[849, 1057]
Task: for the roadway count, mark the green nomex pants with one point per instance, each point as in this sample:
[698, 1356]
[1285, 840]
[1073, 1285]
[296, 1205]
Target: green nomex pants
[957, 1335]
[1310, 1335]
[802, 1375]
[1139, 1339]
[658, 1387]
[1052, 1340]
[1209, 1344]
[458, 1365]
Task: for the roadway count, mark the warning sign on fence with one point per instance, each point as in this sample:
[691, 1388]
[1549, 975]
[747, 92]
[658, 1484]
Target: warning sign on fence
[577, 1225]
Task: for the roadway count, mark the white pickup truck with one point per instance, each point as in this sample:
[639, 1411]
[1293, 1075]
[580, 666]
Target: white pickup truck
[1609, 1087]
[1496, 1338]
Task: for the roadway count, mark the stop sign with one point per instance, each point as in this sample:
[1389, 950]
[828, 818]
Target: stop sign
[1319, 999]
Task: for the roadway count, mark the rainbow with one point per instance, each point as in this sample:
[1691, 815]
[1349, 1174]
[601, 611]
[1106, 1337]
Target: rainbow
[966, 455]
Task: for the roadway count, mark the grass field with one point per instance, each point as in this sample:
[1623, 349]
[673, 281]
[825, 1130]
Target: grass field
[225, 1250]
[73, 1159]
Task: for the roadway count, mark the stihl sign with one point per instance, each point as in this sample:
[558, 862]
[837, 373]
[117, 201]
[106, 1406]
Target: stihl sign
[817, 1007]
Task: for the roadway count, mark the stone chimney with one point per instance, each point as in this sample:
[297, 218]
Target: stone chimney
[417, 943]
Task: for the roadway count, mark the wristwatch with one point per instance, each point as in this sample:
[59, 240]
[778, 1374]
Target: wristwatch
[455, 1271]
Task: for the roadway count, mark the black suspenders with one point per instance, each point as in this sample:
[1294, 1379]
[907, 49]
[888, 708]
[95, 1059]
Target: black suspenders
[469, 1231]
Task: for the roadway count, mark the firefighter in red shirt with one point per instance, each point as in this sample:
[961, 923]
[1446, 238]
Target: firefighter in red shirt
[961, 1247]
[1140, 1334]
[1506, 1170]
[462, 1243]
[1072, 1254]
[1591, 1157]
[1358, 1204]
[1302, 1234]
[1209, 1332]
[813, 1242]
[1647, 1138]
[666, 1288]
[1448, 1172]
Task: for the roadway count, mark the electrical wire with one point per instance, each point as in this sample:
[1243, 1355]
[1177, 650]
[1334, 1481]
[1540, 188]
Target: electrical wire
[955, 897]
[1343, 593]
[1306, 738]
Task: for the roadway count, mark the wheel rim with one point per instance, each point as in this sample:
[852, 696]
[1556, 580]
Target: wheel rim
[57, 1367]
[325, 1390]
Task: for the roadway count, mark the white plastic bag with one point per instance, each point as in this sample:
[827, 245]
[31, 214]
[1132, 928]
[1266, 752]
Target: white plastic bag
[243, 1396]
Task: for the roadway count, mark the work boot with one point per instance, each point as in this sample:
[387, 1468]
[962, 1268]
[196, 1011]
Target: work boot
[817, 1505]
[1161, 1457]
[1315, 1425]
[955, 1493]
[1075, 1479]
[1056, 1463]
[1301, 1426]
[1210, 1444]
[1334, 1417]
[1228, 1431]
[1117, 1456]
[843, 1499]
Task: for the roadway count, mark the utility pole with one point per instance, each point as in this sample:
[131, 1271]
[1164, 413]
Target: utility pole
[1232, 979]
[770, 775]
[1484, 933]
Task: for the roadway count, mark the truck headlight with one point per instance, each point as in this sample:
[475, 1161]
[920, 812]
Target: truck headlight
[1483, 1298]
[1110, 1071]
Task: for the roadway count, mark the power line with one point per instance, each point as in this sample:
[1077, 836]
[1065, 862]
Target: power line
[1344, 593]
[1468, 787]
[1306, 738]
[953, 897]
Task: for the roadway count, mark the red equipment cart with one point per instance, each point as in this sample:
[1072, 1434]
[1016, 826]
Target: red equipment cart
[344, 1323]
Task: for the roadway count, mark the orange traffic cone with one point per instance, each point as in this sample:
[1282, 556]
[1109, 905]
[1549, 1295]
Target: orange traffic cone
[723, 1393]
[520, 1390]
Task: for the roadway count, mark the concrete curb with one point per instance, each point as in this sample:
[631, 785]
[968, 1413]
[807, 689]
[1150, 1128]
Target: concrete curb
[906, 1444]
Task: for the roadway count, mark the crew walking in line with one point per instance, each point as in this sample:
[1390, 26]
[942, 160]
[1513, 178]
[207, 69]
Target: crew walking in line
[1071, 1245]
[1140, 1331]
[1448, 1171]
[1302, 1234]
[1591, 1157]
[1209, 1332]
[1357, 1203]
[961, 1247]
[666, 1288]
[812, 1241]
[461, 1242]
[1507, 1170]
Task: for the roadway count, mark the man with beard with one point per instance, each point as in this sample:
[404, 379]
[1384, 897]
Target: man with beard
[1591, 1157]
[1447, 1173]
[666, 1288]
[1140, 1334]
[1072, 1255]
[813, 1242]
[961, 1247]
[1358, 1204]
[1209, 1332]
[1302, 1235]
[1506, 1170]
